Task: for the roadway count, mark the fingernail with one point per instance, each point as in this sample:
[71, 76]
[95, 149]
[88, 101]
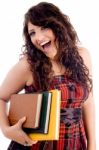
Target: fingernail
[34, 142]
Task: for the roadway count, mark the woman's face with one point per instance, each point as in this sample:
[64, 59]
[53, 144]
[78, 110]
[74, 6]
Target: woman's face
[43, 39]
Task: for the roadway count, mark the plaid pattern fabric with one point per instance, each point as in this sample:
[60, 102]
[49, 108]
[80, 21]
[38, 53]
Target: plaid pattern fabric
[72, 134]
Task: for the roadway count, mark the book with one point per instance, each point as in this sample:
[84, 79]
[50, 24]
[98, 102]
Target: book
[28, 105]
[46, 112]
[54, 122]
[44, 117]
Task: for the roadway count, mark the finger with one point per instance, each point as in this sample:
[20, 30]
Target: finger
[28, 143]
[28, 140]
[25, 140]
[21, 121]
[34, 142]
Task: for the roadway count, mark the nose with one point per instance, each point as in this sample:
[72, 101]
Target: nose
[39, 38]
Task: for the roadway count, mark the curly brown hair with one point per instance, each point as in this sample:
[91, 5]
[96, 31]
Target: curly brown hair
[47, 15]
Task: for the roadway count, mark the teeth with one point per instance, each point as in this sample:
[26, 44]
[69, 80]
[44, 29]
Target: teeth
[44, 43]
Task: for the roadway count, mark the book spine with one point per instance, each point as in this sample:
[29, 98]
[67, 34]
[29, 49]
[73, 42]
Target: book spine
[48, 114]
[58, 114]
[38, 110]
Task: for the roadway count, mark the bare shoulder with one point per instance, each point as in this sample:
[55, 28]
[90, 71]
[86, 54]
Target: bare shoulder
[20, 68]
[23, 63]
[85, 54]
[16, 79]
[27, 69]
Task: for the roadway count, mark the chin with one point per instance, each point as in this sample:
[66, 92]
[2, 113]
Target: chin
[52, 57]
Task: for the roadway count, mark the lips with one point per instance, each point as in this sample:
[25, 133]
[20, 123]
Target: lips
[46, 46]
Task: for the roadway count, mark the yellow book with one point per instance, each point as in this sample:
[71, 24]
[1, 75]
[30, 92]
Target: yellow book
[54, 122]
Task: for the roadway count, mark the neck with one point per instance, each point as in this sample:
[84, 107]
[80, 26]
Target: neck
[58, 68]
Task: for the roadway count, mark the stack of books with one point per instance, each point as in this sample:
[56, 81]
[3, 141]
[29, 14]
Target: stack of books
[42, 111]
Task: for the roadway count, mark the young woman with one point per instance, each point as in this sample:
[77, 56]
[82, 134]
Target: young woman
[52, 59]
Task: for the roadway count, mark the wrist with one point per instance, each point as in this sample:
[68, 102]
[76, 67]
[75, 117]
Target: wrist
[5, 130]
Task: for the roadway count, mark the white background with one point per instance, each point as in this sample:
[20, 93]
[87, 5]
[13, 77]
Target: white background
[84, 17]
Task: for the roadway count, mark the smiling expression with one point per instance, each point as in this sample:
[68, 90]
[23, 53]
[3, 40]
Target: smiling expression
[43, 39]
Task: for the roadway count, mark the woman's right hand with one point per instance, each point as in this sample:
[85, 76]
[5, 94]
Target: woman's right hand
[16, 133]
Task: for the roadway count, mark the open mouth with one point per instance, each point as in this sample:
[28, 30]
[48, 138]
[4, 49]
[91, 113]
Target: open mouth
[46, 45]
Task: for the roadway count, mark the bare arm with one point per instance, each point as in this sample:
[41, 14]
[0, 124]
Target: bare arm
[89, 121]
[89, 107]
[15, 81]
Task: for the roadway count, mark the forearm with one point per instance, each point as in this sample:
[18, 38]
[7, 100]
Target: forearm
[89, 122]
[15, 132]
[3, 116]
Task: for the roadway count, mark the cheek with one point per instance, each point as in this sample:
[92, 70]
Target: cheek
[53, 38]
[34, 43]
[32, 40]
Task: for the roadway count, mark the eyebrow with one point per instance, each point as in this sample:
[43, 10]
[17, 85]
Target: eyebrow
[31, 30]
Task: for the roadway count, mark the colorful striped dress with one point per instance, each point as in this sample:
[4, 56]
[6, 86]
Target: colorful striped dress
[72, 134]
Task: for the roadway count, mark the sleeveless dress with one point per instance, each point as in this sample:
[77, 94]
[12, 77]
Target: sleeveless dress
[72, 134]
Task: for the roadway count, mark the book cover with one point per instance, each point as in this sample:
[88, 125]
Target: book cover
[28, 105]
[54, 122]
[44, 117]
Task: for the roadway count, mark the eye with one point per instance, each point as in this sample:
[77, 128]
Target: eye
[44, 28]
[32, 33]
